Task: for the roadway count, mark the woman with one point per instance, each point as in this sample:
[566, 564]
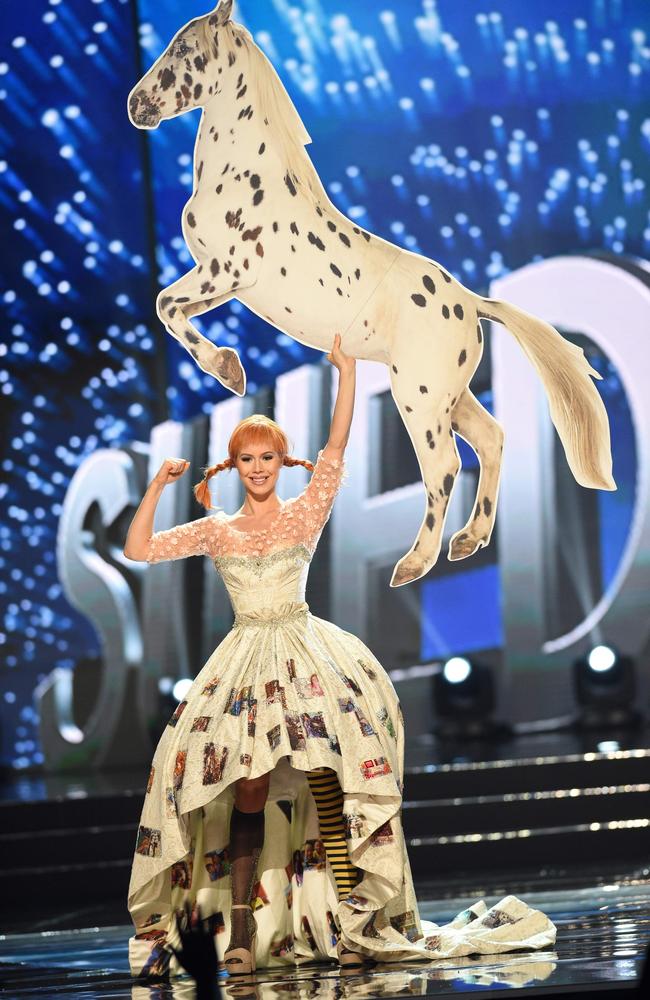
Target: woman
[283, 766]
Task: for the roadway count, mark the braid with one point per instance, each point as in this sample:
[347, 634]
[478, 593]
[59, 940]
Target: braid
[202, 490]
[291, 462]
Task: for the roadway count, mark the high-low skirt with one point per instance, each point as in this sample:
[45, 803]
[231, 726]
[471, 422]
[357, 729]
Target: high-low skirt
[288, 694]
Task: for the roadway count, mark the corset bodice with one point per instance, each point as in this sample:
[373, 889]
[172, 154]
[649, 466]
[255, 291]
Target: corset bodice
[266, 586]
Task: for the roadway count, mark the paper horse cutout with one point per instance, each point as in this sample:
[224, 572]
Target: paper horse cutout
[262, 229]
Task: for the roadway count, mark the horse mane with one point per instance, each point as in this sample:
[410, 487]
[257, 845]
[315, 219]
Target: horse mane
[276, 107]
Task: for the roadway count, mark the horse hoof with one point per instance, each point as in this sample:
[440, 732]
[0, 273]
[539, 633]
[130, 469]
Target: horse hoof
[409, 568]
[463, 546]
[230, 372]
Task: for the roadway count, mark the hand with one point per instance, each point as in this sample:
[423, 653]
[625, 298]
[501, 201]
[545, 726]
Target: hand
[171, 470]
[198, 954]
[343, 362]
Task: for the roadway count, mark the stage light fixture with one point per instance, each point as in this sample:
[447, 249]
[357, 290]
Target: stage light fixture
[604, 684]
[181, 687]
[464, 700]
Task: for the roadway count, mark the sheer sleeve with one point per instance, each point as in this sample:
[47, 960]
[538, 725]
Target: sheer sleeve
[312, 508]
[195, 538]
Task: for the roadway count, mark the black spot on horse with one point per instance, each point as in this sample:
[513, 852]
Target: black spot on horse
[294, 229]
[192, 337]
[458, 311]
[445, 276]
[423, 389]
[487, 506]
[254, 180]
[315, 240]
[409, 409]
[428, 284]
[462, 358]
[419, 299]
[477, 512]
[430, 521]
[240, 93]
[275, 227]
[218, 188]
[197, 91]
[290, 184]
[445, 312]
[191, 221]
[447, 483]
[283, 271]
[168, 79]
[214, 267]
[166, 299]
[345, 239]
[430, 440]
[335, 270]
[262, 148]
[199, 170]
[394, 367]
[357, 273]
[331, 226]
[257, 197]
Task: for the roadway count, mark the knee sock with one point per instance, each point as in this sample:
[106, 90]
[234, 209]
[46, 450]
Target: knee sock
[246, 842]
[328, 796]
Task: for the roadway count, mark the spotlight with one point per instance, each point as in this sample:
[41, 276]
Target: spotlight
[464, 701]
[604, 685]
[181, 687]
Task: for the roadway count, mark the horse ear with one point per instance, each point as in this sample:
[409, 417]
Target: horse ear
[222, 12]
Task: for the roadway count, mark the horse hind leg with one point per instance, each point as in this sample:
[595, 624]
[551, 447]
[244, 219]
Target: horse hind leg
[183, 299]
[485, 435]
[430, 431]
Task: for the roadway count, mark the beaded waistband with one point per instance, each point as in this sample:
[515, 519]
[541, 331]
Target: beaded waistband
[272, 620]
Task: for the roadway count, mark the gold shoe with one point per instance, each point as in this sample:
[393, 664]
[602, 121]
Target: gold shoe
[241, 961]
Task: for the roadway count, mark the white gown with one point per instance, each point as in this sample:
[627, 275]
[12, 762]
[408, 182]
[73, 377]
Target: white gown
[286, 692]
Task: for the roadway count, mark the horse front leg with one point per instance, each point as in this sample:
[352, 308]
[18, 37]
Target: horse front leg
[428, 422]
[485, 435]
[189, 295]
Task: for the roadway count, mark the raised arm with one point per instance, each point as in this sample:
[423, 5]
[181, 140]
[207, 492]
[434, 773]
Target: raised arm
[143, 544]
[312, 508]
[344, 405]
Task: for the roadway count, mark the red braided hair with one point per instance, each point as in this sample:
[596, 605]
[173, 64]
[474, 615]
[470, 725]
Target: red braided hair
[251, 430]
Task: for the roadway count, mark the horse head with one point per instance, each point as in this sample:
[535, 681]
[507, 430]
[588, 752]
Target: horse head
[177, 81]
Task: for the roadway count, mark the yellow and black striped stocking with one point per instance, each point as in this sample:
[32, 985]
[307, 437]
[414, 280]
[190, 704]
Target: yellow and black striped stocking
[328, 796]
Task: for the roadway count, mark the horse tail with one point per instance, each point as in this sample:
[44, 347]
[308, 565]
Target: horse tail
[576, 409]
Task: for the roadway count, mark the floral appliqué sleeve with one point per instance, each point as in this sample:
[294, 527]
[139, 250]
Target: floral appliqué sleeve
[195, 538]
[311, 509]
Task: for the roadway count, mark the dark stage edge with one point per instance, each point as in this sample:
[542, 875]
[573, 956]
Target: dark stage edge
[603, 922]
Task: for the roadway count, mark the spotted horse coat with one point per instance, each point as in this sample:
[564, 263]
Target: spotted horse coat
[262, 229]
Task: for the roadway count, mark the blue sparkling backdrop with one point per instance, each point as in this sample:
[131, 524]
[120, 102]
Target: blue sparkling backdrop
[485, 135]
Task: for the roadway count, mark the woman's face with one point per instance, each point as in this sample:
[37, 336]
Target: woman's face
[259, 466]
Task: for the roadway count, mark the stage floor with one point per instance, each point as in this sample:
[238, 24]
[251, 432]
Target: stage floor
[603, 932]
